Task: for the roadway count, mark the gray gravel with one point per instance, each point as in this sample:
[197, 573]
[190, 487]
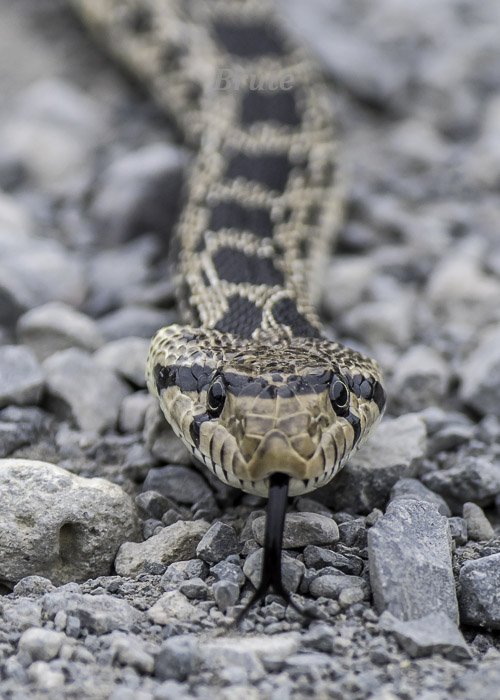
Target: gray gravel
[125, 586]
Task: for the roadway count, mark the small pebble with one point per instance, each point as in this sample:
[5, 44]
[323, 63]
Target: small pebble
[217, 543]
[478, 526]
[478, 596]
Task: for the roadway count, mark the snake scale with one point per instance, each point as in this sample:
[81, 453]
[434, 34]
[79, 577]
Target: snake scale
[249, 383]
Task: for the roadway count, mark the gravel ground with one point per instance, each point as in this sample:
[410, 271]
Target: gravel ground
[122, 564]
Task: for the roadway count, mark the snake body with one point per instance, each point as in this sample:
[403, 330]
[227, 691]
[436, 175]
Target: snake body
[249, 383]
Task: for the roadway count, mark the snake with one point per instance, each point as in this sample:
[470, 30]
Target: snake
[249, 381]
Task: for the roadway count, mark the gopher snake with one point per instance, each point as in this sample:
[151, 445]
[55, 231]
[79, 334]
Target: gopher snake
[249, 384]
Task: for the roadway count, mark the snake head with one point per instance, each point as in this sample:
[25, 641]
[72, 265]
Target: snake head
[247, 409]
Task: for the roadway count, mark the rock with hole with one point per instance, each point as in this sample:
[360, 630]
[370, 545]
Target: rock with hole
[59, 525]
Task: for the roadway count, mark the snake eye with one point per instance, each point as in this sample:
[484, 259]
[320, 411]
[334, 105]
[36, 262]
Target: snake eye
[216, 397]
[339, 396]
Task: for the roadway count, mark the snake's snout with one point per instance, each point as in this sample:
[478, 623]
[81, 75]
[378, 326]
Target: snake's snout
[275, 453]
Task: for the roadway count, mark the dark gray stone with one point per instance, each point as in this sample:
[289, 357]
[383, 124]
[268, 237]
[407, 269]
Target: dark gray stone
[301, 529]
[226, 594]
[479, 595]
[318, 557]
[151, 527]
[479, 527]
[408, 489]
[353, 533]
[179, 483]
[292, 570]
[21, 426]
[152, 504]
[409, 552]
[431, 634]
[183, 570]
[475, 479]
[449, 437]
[194, 589]
[177, 658]
[217, 543]
[227, 571]
[393, 452]
[458, 530]
[21, 377]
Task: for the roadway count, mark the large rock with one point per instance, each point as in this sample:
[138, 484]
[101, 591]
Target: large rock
[59, 525]
[173, 543]
[480, 592]
[409, 552]
[366, 481]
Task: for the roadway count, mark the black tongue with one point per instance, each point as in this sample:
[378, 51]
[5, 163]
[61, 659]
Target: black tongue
[271, 577]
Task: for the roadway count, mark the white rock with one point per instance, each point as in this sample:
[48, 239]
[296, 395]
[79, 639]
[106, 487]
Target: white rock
[41, 644]
[174, 606]
[59, 525]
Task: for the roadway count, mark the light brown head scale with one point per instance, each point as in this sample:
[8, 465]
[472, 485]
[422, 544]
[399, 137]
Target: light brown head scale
[245, 417]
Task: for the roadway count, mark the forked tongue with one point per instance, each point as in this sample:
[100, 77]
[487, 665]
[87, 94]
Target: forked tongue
[271, 574]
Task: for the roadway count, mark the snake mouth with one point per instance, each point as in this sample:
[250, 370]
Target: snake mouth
[275, 453]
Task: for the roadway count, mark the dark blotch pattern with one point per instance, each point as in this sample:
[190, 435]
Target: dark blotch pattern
[239, 267]
[244, 385]
[250, 40]
[379, 396]
[285, 311]
[356, 426]
[279, 106]
[270, 170]
[193, 378]
[369, 389]
[241, 318]
[234, 215]
[194, 428]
